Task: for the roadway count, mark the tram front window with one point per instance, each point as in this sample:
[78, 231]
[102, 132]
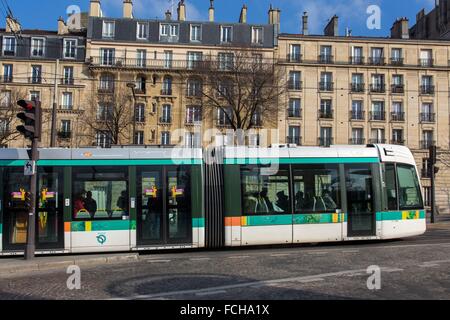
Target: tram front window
[265, 194]
[410, 196]
[100, 193]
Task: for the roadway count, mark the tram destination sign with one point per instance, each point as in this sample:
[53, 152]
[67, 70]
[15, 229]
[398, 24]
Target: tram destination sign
[29, 168]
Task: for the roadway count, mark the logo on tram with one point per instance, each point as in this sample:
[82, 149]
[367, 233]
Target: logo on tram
[101, 238]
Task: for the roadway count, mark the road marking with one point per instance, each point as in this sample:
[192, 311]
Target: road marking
[428, 265]
[199, 259]
[389, 270]
[350, 251]
[238, 257]
[280, 255]
[312, 280]
[158, 261]
[201, 294]
[318, 252]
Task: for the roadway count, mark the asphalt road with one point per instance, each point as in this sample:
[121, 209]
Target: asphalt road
[415, 268]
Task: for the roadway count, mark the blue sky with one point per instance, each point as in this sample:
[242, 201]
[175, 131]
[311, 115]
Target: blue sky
[43, 14]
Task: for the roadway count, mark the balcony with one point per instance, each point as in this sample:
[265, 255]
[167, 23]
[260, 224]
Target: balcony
[426, 117]
[165, 120]
[6, 79]
[398, 88]
[294, 140]
[377, 88]
[426, 173]
[141, 90]
[295, 85]
[398, 141]
[166, 92]
[64, 134]
[35, 80]
[193, 121]
[357, 87]
[377, 116]
[9, 53]
[294, 113]
[294, 58]
[106, 90]
[397, 116]
[396, 62]
[427, 89]
[325, 142]
[194, 93]
[357, 141]
[377, 141]
[325, 58]
[377, 61]
[326, 114]
[357, 115]
[357, 60]
[426, 144]
[426, 62]
[67, 81]
[157, 64]
[326, 86]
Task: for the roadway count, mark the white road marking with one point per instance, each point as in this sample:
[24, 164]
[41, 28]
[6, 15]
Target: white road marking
[210, 293]
[158, 261]
[428, 265]
[318, 252]
[238, 257]
[199, 259]
[350, 251]
[389, 270]
[280, 255]
[312, 280]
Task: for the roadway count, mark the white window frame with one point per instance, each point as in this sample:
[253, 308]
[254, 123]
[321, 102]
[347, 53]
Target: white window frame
[68, 76]
[33, 48]
[64, 101]
[138, 30]
[222, 34]
[75, 48]
[112, 32]
[198, 34]
[260, 39]
[65, 125]
[10, 68]
[9, 47]
[173, 30]
[5, 98]
[141, 57]
[110, 59]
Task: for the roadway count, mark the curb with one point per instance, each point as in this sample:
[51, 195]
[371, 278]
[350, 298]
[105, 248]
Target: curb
[19, 267]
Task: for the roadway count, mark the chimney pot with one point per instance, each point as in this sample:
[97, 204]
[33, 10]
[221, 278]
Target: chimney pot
[128, 9]
[243, 16]
[181, 11]
[95, 9]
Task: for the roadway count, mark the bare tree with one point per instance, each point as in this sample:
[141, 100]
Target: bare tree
[243, 88]
[8, 113]
[111, 114]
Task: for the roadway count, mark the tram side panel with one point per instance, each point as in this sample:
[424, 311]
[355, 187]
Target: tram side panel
[198, 214]
[233, 205]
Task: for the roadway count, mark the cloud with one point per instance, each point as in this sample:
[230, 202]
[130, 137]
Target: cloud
[151, 9]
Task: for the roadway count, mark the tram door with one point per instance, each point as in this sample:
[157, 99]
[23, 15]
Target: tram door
[49, 218]
[164, 206]
[360, 200]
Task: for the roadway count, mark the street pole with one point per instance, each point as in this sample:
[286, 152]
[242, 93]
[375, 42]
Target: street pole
[433, 155]
[55, 107]
[31, 228]
[132, 86]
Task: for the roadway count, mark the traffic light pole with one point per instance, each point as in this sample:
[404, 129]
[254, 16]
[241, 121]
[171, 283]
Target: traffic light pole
[31, 229]
[433, 193]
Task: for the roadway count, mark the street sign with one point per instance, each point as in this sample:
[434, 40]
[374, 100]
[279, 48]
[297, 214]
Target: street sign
[30, 168]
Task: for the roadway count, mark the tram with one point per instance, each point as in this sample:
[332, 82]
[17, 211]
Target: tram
[135, 199]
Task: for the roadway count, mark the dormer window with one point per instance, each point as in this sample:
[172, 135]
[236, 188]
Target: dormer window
[226, 34]
[257, 35]
[70, 48]
[196, 32]
[169, 30]
[9, 46]
[108, 29]
[142, 31]
[37, 47]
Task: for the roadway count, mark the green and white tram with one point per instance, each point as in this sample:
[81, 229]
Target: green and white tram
[128, 199]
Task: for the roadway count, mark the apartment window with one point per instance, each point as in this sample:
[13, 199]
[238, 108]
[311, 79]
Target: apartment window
[378, 111]
[192, 140]
[168, 59]
[294, 135]
[65, 126]
[165, 138]
[397, 136]
[9, 46]
[108, 29]
[104, 112]
[357, 82]
[139, 138]
[4, 127]
[103, 139]
[140, 112]
[294, 108]
[256, 119]
[37, 47]
[194, 59]
[226, 61]
[396, 56]
[357, 55]
[166, 114]
[67, 101]
[427, 196]
[107, 56]
[167, 86]
[36, 74]
[193, 114]
[107, 82]
[141, 84]
[377, 56]
[68, 76]
[427, 86]
[426, 58]
[357, 110]
[142, 31]
[325, 54]
[378, 84]
[326, 137]
[35, 96]
[427, 114]
[70, 48]
[224, 116]
[5, 98]
[357, 136]
[397, 111]
[257, 35]
[141, 58]
[196, 32]
[326, 109]
[194, 88]
[378, 136]
[427, 139]
[169, 30]
[326, 81]
[7, 73]
[294, 53]
[295, 82]
[226, 34]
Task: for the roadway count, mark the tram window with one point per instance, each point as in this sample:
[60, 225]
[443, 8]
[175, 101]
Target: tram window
[316, 188]
[100, 193]
[391, 188]
[410, 196]
[262, 194]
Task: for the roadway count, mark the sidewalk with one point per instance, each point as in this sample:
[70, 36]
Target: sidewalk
[17, 265]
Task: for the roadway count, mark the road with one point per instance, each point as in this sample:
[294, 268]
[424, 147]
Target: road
[416, 268]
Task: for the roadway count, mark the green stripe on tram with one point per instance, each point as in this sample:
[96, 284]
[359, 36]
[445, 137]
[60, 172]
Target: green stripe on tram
[112, 225]
[198, 222]
[1, 228]
[91, 162]
[299, 160]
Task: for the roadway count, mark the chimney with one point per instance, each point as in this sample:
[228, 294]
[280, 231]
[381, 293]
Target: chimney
[274, 19]
[12, 25]
[243, 16]
[181, 11]
[211, 11]
[128, 9]
[95, 9]
[62, 27]
[305, 30]
[400, 29]
[332, 28]
[168, 15]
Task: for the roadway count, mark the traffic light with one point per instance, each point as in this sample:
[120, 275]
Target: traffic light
[31, 118]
